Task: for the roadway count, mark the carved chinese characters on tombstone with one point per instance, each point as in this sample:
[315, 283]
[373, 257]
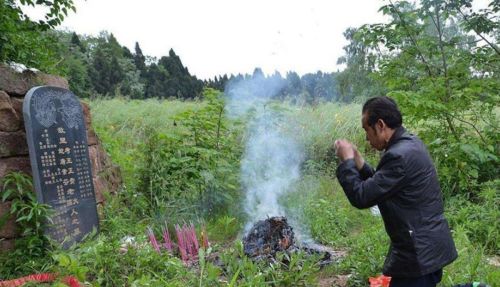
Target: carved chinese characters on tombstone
[59, 157]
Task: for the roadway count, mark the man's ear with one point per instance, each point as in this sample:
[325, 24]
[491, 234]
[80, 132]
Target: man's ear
[380, 124]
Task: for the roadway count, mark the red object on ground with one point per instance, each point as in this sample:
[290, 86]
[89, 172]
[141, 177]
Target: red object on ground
[166, 238]
[153, 240]
[40, 278]
[71, 281]
[380, 281]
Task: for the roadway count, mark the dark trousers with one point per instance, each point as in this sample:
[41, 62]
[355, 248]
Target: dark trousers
[428, 280]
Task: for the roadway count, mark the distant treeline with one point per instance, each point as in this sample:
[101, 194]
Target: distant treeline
[310, 88]
[100, 66]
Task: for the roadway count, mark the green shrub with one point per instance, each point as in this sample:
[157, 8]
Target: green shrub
[479, 219]
[31, 218]
[197, 169]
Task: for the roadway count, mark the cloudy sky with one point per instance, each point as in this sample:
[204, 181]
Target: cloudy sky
[231, 36]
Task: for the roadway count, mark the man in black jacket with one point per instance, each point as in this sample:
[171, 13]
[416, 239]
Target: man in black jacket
[406, 190]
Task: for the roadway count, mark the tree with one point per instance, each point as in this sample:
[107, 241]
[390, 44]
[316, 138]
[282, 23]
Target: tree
[309, 84]
[115, 72]
[180, 83]
[99, 72]
[75, 41]
[25, 41]
[156, 78]
[294, 85]
[258, 73]
[139, 59]
[444, 83]
[355, 80]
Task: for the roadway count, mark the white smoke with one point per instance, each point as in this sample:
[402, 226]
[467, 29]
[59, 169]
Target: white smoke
[271, 162]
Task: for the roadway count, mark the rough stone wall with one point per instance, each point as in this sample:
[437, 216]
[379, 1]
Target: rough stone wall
[14, 155]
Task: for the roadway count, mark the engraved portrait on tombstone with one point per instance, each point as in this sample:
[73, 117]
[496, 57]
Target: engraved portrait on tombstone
[59, 156]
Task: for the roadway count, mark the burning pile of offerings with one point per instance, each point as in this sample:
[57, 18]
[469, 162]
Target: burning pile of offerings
[270, 236]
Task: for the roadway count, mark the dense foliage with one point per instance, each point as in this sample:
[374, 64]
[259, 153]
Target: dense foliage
[201, 175]
[101, 66]
[181, 159]
[446, 81]
[25, 41]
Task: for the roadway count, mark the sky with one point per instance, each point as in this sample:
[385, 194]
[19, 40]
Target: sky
[230, 36]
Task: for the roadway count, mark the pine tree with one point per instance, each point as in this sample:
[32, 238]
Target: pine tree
[139, 59]
[75, 40]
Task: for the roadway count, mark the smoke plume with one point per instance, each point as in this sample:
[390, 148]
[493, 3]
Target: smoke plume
[271, 162]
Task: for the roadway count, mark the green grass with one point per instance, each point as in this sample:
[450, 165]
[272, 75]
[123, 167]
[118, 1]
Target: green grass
[122, 125]
[317, 203]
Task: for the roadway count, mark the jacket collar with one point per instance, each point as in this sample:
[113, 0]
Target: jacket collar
[398, 133]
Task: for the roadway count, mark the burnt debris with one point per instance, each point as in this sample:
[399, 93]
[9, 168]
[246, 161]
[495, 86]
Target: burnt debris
[270, 236]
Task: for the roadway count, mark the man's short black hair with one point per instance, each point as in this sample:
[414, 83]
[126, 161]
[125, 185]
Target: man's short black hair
[383, 108]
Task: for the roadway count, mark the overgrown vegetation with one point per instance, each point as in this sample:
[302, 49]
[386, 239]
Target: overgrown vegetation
[317, 202]
[446, 83]
[180, 160]
[31, 216]
[200, 176]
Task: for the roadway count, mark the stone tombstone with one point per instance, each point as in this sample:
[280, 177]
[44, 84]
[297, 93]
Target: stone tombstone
[57, 141]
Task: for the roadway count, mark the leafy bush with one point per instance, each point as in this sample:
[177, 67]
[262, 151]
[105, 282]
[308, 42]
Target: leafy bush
[28, 42]
[479, 219]
[197, 168]
[445, 82]
[31, 218]
[123, 127]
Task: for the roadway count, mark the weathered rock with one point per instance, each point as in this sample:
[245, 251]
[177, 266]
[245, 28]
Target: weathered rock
[11, 164]
[98, 159]
[95, 161]
[107, 177]
[13, 144]
[86, 114]
[9, 119]
[18, 84]
[100, 186]
[17, 104]
[91, 137]
[9, 228]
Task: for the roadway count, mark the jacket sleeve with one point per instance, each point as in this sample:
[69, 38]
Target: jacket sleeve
[366, 171]
[366, 192]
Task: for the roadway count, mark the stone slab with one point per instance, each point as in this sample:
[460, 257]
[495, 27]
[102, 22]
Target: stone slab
[58, 148]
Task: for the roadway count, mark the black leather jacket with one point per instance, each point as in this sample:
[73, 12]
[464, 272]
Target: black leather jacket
[406, 189]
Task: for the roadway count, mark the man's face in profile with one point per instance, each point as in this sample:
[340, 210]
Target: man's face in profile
[373, 134]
